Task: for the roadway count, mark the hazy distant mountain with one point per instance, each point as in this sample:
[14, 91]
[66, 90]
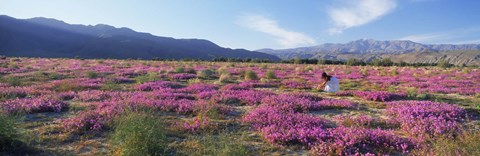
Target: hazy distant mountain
[368, 49]
[43, 37]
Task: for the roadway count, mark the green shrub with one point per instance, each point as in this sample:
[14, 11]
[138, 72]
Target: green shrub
[139, 133]
[270, 75]
[12, 81]
[54, 76]
[67, 86]
[92, 74]
[250, 75]
[110, 86]
[179, 70]
[225, 78]
[7, 132]
[147, 78]
[411, 92]
[205, 74]
[10, 139]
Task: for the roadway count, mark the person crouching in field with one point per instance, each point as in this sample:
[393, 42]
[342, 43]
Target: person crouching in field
[330, 83]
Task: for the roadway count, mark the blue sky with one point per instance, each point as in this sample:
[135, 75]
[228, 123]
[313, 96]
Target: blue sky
[255, 24]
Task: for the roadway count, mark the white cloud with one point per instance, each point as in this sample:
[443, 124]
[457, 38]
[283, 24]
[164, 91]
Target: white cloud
[352, 13]
[286, 38]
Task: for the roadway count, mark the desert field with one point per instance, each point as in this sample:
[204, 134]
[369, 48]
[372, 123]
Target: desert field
[137, 107]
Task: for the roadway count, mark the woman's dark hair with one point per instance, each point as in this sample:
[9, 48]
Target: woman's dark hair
[326, 77]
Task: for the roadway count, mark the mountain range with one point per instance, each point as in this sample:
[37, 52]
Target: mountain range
[397, 50]
[44, 37]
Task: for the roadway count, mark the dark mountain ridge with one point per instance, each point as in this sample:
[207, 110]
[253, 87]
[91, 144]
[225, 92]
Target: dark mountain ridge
[44, 37]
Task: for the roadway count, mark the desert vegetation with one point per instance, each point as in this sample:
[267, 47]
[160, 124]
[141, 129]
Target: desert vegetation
[138, 107]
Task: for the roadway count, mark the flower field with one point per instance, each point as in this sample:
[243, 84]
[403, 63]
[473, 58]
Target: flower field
[72, 107]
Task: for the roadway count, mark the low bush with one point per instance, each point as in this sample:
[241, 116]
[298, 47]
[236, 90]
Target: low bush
[8, 133]
[205, 74]
[225, 78]
[12, 81]
[179, 70]
[250, 75]
[111, 86]
[10, 142]
[91, 74]
[270, 75]
[139, 133]
[147, 78]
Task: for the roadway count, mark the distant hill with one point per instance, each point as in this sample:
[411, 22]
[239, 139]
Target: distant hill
[44, 37]
[397, 50]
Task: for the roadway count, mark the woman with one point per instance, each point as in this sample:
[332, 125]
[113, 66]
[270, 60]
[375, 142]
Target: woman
[330, 83]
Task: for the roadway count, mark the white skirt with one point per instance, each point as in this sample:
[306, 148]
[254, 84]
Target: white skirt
[332, 85]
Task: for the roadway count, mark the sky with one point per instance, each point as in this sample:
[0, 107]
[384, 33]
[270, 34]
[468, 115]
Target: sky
[277, 24]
